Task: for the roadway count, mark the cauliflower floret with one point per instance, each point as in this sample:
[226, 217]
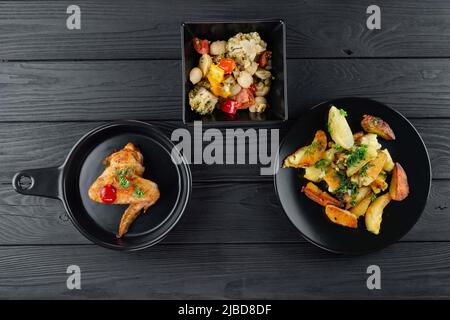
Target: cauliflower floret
[202, 101]
[259, 106]
[244, 47]
[216, 59]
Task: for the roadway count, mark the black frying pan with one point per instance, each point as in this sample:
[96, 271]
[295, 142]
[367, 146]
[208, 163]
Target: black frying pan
[399, 217]
[98, 222]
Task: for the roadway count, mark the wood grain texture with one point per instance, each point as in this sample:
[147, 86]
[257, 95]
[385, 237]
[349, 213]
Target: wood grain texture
[288, 271]
[151, 90]
[144, 29]
[37, 145]
[217, 213]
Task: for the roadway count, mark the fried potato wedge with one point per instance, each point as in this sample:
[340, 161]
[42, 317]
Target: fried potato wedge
[355, 168]
[361, 207]
[379, 184]
[371, 141]
[378, 126]
[321, 197]
[373, 169]
[399, 188]
[374, 214]
[339, 129]
[389, 164]
[341, 216]
[357, 136]
[362, 193]
[314, 174]
[307, 156]
[332, 179]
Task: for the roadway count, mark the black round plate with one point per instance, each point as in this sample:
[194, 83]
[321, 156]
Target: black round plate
[100, 222]
[399, 217]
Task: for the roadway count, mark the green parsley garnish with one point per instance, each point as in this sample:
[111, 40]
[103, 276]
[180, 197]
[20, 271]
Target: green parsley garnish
[124, 172]
[346, 186]
[122, 176]
[357, 155]
[353, 189]
[363, 171]
[322, 163]
[343, 112]
[353, 203]
[373, 197]
[314, 146]
[124, 182]
[338, 148]
[138, 192]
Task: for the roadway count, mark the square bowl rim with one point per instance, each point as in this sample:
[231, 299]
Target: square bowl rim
[282, 23]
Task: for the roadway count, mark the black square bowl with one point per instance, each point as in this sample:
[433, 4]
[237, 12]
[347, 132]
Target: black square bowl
[273, 32]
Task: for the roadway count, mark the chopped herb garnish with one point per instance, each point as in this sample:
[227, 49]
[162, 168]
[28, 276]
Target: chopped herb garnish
[346, 186]
[138, 192]
[124, 182]
[322, 163]
[357, 155]
[124, 172]
[343, 112]
[353, 189]
[338, 148]
[353, 203]
[363, 171]
[314, 146]
[343, 183]
[373, 197]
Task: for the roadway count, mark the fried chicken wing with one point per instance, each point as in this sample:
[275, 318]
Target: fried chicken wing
[122, 180]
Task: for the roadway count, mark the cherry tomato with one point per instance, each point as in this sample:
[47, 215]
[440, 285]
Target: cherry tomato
[227, 64]
[264, 58]
[201, 46]
[245, 98]
[229, 106]
[253, 88]
[108, 194]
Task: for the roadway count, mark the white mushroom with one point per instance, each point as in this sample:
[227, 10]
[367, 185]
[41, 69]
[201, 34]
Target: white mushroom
[195, 75]
[217, 47]
[245, 79]
[259, 106]
[261, 89]
[252, 68]
[263, 74]
[205, 63]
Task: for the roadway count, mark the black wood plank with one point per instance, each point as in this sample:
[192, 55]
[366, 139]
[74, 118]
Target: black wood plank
[217, 213]
[151, 29]
[36, 145]
[151, 90]
[288, 271]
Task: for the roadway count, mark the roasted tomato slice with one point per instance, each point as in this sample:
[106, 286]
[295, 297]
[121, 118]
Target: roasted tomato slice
[253, 88]
[201, 46]
[227, 65]
[264, 58]
[229, 106]
[108, 194]
[245, 98]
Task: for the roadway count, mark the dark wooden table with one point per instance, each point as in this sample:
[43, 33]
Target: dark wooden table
[234, 240]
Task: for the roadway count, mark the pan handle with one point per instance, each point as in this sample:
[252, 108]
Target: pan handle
[45, 182]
